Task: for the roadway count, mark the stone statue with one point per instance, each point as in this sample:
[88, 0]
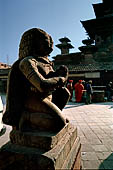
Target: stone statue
[34, 88]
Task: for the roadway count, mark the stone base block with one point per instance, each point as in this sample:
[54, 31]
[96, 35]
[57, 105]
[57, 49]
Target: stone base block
[98, 96]
[38, 139]
[64, 155]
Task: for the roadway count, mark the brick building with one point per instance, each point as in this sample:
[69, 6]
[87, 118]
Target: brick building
[4, 70]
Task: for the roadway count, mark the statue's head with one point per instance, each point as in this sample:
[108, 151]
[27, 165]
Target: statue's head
[35, 42]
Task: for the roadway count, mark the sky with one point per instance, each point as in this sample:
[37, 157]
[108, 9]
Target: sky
[59, 18]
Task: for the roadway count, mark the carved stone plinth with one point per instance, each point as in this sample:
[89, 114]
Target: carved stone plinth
[42, 140]
[62, 152]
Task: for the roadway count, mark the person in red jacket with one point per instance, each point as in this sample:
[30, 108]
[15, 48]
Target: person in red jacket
[78, 91]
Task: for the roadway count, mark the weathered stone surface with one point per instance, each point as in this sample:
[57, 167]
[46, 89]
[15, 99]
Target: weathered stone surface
[38, 139]
[62, 156]
[14, 157]
[73, 160]
[98, 96]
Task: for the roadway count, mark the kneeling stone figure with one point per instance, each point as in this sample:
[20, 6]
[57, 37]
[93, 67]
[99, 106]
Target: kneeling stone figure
[31, 103]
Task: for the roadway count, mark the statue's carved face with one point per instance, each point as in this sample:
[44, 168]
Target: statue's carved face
[35, 42]
[46, 45]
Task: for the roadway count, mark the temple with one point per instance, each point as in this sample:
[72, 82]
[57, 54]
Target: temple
[101, 28]
[95, 59]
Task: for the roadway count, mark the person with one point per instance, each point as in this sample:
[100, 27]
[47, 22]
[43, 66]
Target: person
[31, 83]
[70, 88]
[78, 91]
[84, 91]
[109, 91]
[89, 92]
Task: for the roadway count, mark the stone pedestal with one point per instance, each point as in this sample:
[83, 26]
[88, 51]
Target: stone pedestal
[42, 150]
[98, 96]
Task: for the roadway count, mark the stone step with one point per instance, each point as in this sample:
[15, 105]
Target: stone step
[69, 143]
[16, 156]
[42, 140]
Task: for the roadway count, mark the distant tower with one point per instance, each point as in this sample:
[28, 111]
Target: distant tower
[65, 45]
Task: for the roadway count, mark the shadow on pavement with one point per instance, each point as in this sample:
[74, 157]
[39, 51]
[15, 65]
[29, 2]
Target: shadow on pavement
[74, 104]
[110, 104]
[104, 103]
[107, 163]
[111, 107]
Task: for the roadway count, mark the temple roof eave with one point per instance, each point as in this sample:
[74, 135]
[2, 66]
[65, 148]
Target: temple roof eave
[98, 9]
[64, 39]
[89, 67]
[64, 46]
[98, 26]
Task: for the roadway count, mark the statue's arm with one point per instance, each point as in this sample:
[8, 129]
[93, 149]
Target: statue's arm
[62, 71]
[28, 67]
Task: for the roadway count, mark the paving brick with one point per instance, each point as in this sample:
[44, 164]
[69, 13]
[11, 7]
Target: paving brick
[104, 155]
[87, 148]
[89, 156]
[91, 165]
[95, 124]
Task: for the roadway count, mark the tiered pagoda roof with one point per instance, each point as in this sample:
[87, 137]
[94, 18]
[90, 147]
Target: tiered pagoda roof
[103, 9]
[103, 24]
[65, 43]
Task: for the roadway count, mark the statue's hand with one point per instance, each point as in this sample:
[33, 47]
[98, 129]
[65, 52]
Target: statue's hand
[62, 71]
[61, 81]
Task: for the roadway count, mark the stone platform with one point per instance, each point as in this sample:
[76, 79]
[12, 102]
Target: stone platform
[43, 140]
[62, 152]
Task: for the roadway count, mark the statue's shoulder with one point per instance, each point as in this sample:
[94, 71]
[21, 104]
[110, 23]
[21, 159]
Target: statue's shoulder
[27, 61]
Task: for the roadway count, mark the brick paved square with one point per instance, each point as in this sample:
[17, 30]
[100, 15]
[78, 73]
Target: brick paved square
[95, 123]
[95, 127]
